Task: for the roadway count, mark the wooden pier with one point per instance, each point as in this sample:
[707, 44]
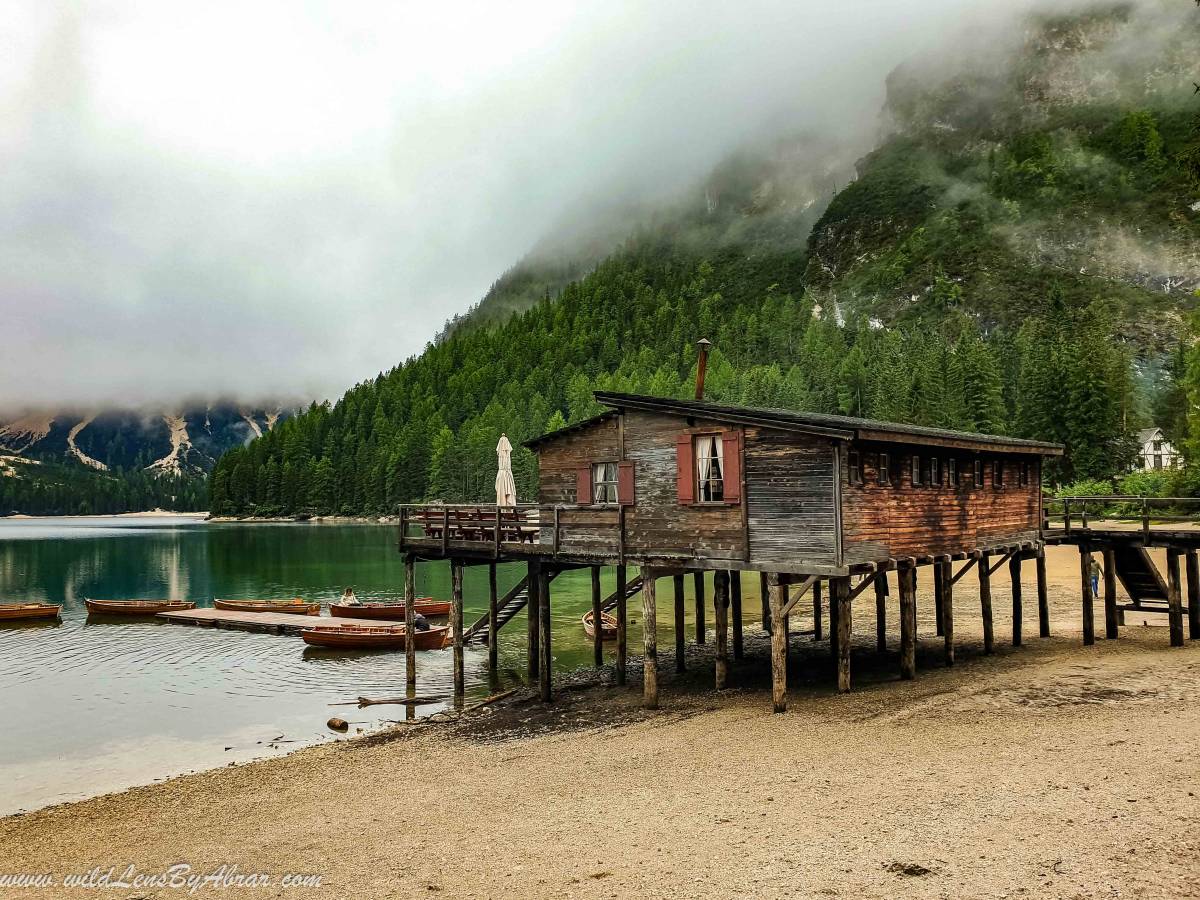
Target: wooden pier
[268, 622]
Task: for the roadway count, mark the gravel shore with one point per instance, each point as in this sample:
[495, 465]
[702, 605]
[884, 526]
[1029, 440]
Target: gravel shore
[1051, 770]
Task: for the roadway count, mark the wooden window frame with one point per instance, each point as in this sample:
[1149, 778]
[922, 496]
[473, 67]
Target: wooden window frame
[883, 474]
[997, 474]
[935, 472]
[952, 472]
[616, 490]
[916, 471]
[696, 501]
[977, 473]
[854, 467]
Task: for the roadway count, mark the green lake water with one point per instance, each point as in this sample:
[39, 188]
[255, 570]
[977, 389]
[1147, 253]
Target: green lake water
[95, 706]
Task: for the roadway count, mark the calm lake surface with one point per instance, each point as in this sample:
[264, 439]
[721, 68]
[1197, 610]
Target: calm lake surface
[96, 706]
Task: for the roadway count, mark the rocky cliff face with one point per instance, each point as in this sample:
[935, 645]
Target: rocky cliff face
[186, 442]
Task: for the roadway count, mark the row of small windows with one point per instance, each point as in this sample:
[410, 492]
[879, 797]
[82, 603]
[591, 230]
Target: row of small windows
[933, 471]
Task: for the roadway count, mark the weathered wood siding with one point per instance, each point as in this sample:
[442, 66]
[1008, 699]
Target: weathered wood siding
[882, 522]
[658, 524]
[790, 497]
[595, 530]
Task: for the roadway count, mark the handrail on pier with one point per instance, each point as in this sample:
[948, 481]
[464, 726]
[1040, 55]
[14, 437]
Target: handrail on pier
[1150, 511]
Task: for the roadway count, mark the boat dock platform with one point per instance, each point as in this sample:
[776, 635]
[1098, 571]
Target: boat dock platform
[269, 622]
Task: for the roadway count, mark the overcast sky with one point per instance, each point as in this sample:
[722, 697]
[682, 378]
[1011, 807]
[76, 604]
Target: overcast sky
[283, 198]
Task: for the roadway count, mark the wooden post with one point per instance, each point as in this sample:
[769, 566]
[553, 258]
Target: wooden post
[493, 637]
[680, 616]
[597, 620]
[1014, 574]
[410, 620]
[776, 594]
[456, 625]
[947, 576]
[1043, 595]
[721, 625]
[765, 593]
[881, 611]
[735, 602]
[839, 599]
[1193, 584]
[1174, 597]
[939, 600]
[834, 630]
[649, 641]
[1110, 595]
[985, 600]
[532, 606]
[622, 618]
[816, 595]
[908, 623]
[1089, 621]
[698, 584]
[546, 667]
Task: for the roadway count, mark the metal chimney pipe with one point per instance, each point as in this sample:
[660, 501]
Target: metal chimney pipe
[701, 366]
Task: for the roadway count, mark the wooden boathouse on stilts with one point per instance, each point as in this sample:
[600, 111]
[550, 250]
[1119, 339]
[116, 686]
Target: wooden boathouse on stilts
[816, 505]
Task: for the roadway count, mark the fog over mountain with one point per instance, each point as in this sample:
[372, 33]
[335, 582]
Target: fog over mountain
[266, 200]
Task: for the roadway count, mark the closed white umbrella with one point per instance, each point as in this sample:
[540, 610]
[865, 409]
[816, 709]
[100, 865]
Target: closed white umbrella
[506, 488]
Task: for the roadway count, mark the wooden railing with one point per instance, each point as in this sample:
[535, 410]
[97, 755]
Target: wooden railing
[598, 529]
[1076, 513]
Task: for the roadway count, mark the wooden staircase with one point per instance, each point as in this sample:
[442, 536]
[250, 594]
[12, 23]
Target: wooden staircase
[631, 588]
[1140, 577]
[506, 608]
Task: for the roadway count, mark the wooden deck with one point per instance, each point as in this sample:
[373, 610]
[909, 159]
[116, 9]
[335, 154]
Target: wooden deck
[269, 622]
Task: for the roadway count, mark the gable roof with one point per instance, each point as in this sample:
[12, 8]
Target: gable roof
[1146, 435]
[836, 427]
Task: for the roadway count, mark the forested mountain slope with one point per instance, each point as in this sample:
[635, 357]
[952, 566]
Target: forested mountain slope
[1017, 255]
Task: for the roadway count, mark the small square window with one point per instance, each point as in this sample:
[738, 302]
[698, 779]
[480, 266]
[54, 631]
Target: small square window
[885, 470]
[855, 464]
[935, 472]
[979, 473]
[604, 482]
[917, 479]
[952, 472]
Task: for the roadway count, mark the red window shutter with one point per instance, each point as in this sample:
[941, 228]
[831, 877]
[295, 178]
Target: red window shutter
[625, 489]
[732, 459]
[583, 489]
[685, 468]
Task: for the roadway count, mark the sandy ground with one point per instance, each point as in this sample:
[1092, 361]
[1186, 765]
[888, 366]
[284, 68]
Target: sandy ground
[1051, 770]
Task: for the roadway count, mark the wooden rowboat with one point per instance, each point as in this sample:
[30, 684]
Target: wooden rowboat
[10, 611]
[297, 606]
[136, 607]
[608, 626]
[372, 637]
[426, 606]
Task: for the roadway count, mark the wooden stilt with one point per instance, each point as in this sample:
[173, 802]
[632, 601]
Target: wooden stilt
[546, 664]
[1089, 614]
[908, 623]
[816, 595]
[939, 601]
[531, 623]
[622, 626]
[881, 611]
[834, 630]
[985, 601]
[597, 618]
[1193, 585]
[680, 636]
[456, 625]
[839, 599]
[947, 575]
[776, 597]
[649, 641]
[410, 620]
[493, 637]
[1043, 595]
[735, 605]
[698, 584]
[1111, 619]
[765, 593]
[721, 625]
[1014, 574]
[1174, 598]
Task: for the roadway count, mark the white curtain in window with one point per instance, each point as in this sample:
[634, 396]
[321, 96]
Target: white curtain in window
[704, 456]
[720, 454]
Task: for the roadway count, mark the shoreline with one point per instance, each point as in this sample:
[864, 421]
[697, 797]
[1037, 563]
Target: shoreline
[1030, 771]
[142, 514]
